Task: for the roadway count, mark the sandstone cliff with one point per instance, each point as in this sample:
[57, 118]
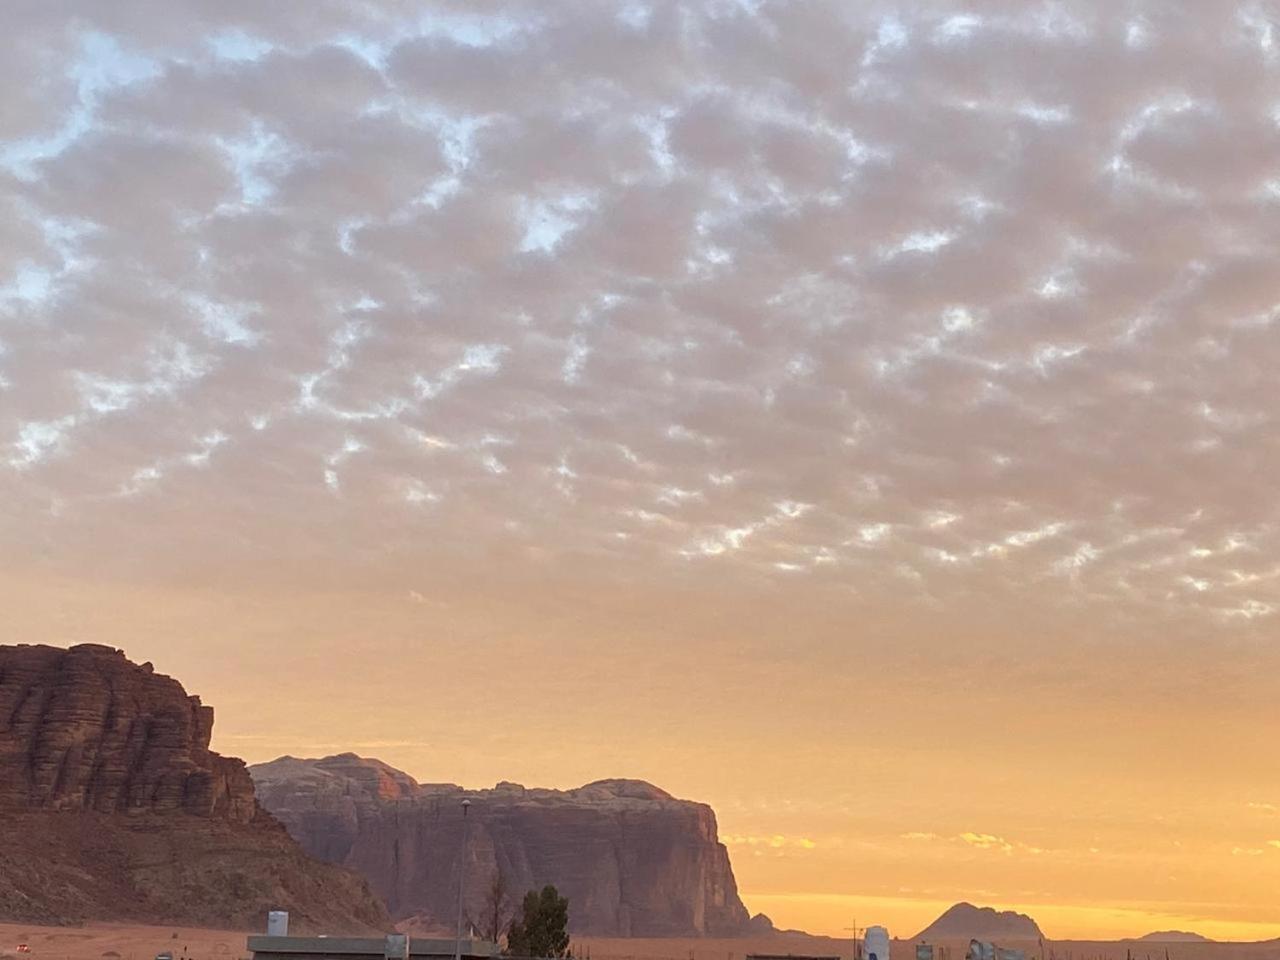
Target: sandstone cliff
[85, 729]
[112, 806]
[633, 860]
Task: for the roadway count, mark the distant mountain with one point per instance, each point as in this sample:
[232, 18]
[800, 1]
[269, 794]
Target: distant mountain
[964, 921]
[761, 926]
[1174, 936]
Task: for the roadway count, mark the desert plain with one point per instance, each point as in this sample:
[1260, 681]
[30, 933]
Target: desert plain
[112, 941]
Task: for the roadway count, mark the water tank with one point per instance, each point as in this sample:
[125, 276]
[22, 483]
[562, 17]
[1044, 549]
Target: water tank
[278, 923]
[876, 944]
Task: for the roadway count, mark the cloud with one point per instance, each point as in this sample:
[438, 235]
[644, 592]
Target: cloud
[987, 841]
[982, 841]
[777, 842]
[992, 299]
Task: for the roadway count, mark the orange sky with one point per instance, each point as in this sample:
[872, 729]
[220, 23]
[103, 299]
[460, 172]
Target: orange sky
[858, 416]
[873, 779]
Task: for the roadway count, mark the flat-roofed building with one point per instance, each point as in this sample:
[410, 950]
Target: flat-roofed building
[393, 947]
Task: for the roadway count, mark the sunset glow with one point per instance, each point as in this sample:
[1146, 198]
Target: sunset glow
[858, 417]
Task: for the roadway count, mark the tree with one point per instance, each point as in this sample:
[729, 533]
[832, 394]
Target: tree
[494, 924]
[541, 930]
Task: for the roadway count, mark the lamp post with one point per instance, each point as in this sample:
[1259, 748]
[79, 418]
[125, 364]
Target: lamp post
[462, 881]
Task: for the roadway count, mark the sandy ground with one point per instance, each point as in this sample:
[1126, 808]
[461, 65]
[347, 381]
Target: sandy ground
[109, 941]
[598, 948]
[125, 942]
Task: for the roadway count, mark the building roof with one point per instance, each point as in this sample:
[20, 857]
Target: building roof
[366, 947]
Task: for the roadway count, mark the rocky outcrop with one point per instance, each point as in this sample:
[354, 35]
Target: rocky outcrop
[112, 806]
[632, 859]
[85, 729]
[964, 921]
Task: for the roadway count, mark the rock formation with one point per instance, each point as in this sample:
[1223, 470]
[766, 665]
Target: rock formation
[112, 806]
[85, 729]
[1174, 936]
[964, 921]
[632, 859]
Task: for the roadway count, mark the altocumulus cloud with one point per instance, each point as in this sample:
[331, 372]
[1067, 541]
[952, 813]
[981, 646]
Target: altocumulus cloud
[982, 841]
[922, 297]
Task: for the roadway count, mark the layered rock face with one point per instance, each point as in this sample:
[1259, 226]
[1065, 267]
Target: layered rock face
[113, 807]
[85, 729]
[632, 859]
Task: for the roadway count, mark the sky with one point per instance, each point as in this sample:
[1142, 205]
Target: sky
[859, 417]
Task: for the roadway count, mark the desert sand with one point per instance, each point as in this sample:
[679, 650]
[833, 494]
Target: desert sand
[794, 944]
[108, 941]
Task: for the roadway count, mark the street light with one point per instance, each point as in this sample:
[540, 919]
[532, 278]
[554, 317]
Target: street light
[462, 881]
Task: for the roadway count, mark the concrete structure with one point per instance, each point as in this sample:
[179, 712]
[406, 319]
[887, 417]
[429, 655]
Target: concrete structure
[278, 923]
[393, 947]
[876, 943]
[982, 950]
